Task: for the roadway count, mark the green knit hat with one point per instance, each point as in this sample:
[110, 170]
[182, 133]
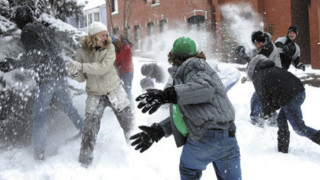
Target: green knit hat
[184, 47]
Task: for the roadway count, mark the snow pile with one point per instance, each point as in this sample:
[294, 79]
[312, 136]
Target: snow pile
[113, 157]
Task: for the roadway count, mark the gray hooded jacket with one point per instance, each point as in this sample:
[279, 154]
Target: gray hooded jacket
[202, 100]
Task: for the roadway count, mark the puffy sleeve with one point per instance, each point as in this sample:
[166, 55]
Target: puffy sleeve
[104, 66]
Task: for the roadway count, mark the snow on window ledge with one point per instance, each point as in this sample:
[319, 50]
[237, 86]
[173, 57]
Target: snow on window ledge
[155, 4]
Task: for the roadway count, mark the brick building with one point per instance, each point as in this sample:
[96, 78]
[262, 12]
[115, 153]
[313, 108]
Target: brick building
[155, 16]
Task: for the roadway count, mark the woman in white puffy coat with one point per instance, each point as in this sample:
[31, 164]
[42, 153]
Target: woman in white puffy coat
[94, 64]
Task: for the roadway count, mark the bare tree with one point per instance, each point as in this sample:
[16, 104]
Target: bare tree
[128, 8]
[110, 10]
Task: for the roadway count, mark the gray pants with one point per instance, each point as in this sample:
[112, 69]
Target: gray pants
[92, 126]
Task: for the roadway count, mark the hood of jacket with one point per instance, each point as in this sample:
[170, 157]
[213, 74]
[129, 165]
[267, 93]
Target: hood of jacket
[257, 63]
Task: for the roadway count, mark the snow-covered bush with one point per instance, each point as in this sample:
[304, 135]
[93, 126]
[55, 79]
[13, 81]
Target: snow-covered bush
[17, 86]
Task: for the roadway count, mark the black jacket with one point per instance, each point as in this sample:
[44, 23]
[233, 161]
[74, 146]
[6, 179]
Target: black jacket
[42, 53]
[274, 86]
[289, 52]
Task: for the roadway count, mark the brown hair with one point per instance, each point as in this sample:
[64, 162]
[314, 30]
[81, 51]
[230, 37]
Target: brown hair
[117, 45]
[91, 42]
[177, 61]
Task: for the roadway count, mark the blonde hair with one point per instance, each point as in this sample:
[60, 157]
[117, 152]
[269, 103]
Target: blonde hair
[90, 42]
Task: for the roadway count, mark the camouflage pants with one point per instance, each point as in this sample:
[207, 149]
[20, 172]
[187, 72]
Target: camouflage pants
[92, 126]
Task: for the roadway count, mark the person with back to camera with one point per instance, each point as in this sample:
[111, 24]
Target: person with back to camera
[152, 72]
[94, 64]
[279, 89]
[201, 116]
[42, 54]
[264, 46]
[289, 50]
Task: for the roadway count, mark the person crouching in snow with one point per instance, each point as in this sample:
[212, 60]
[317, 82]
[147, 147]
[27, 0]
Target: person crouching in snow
[201, 116]
[280, 89]
[94, 64]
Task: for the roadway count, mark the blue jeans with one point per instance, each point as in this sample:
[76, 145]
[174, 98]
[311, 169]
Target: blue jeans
[214, 147]
[127, 85]
[292, 112]
[256, 106]
[46, 92]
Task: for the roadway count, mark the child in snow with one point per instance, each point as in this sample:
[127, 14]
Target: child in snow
[94, 64]
[201, 116]
[279, 89]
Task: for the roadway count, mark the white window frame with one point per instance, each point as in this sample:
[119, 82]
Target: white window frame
[116, 7]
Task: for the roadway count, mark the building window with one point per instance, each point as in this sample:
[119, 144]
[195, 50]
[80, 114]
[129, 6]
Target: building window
[150, 28]
[116, 31]
[163, 26]
[137, 37]
[85, 21]
[155, 1]
[196, 23]
[82, 22]
[114, 6]
[96, 17]
[127, 32]
[89, 19]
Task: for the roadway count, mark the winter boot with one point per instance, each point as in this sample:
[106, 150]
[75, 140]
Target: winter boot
[87, 146]
[256, 120]
[283, 141]
[316, 138]
[39, 155]
[85, 157]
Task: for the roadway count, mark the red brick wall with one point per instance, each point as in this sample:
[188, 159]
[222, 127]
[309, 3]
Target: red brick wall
[175, 12]
[278, 14]
[314, 19]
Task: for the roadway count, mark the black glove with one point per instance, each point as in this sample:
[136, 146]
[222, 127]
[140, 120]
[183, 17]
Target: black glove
[241, 55]
[301, 66]
[266, 116]
[154, 98]
[147, 137]
[285, 49]
[289, 49]
[7, 64]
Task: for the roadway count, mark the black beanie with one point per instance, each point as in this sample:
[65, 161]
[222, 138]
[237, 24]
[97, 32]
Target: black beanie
[258, 36]
[23, 16]
[293, 28]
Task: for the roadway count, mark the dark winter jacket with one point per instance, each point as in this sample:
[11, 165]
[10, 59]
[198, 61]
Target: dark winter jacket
[289, 52]
[269, 50]
[42, 53]
[275, 86]
[202, 100]
[153, 71]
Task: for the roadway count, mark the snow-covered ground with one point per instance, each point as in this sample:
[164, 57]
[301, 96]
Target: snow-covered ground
[114, 159]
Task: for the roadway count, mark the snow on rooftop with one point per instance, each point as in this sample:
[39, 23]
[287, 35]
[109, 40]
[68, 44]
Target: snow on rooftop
[89, 4]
